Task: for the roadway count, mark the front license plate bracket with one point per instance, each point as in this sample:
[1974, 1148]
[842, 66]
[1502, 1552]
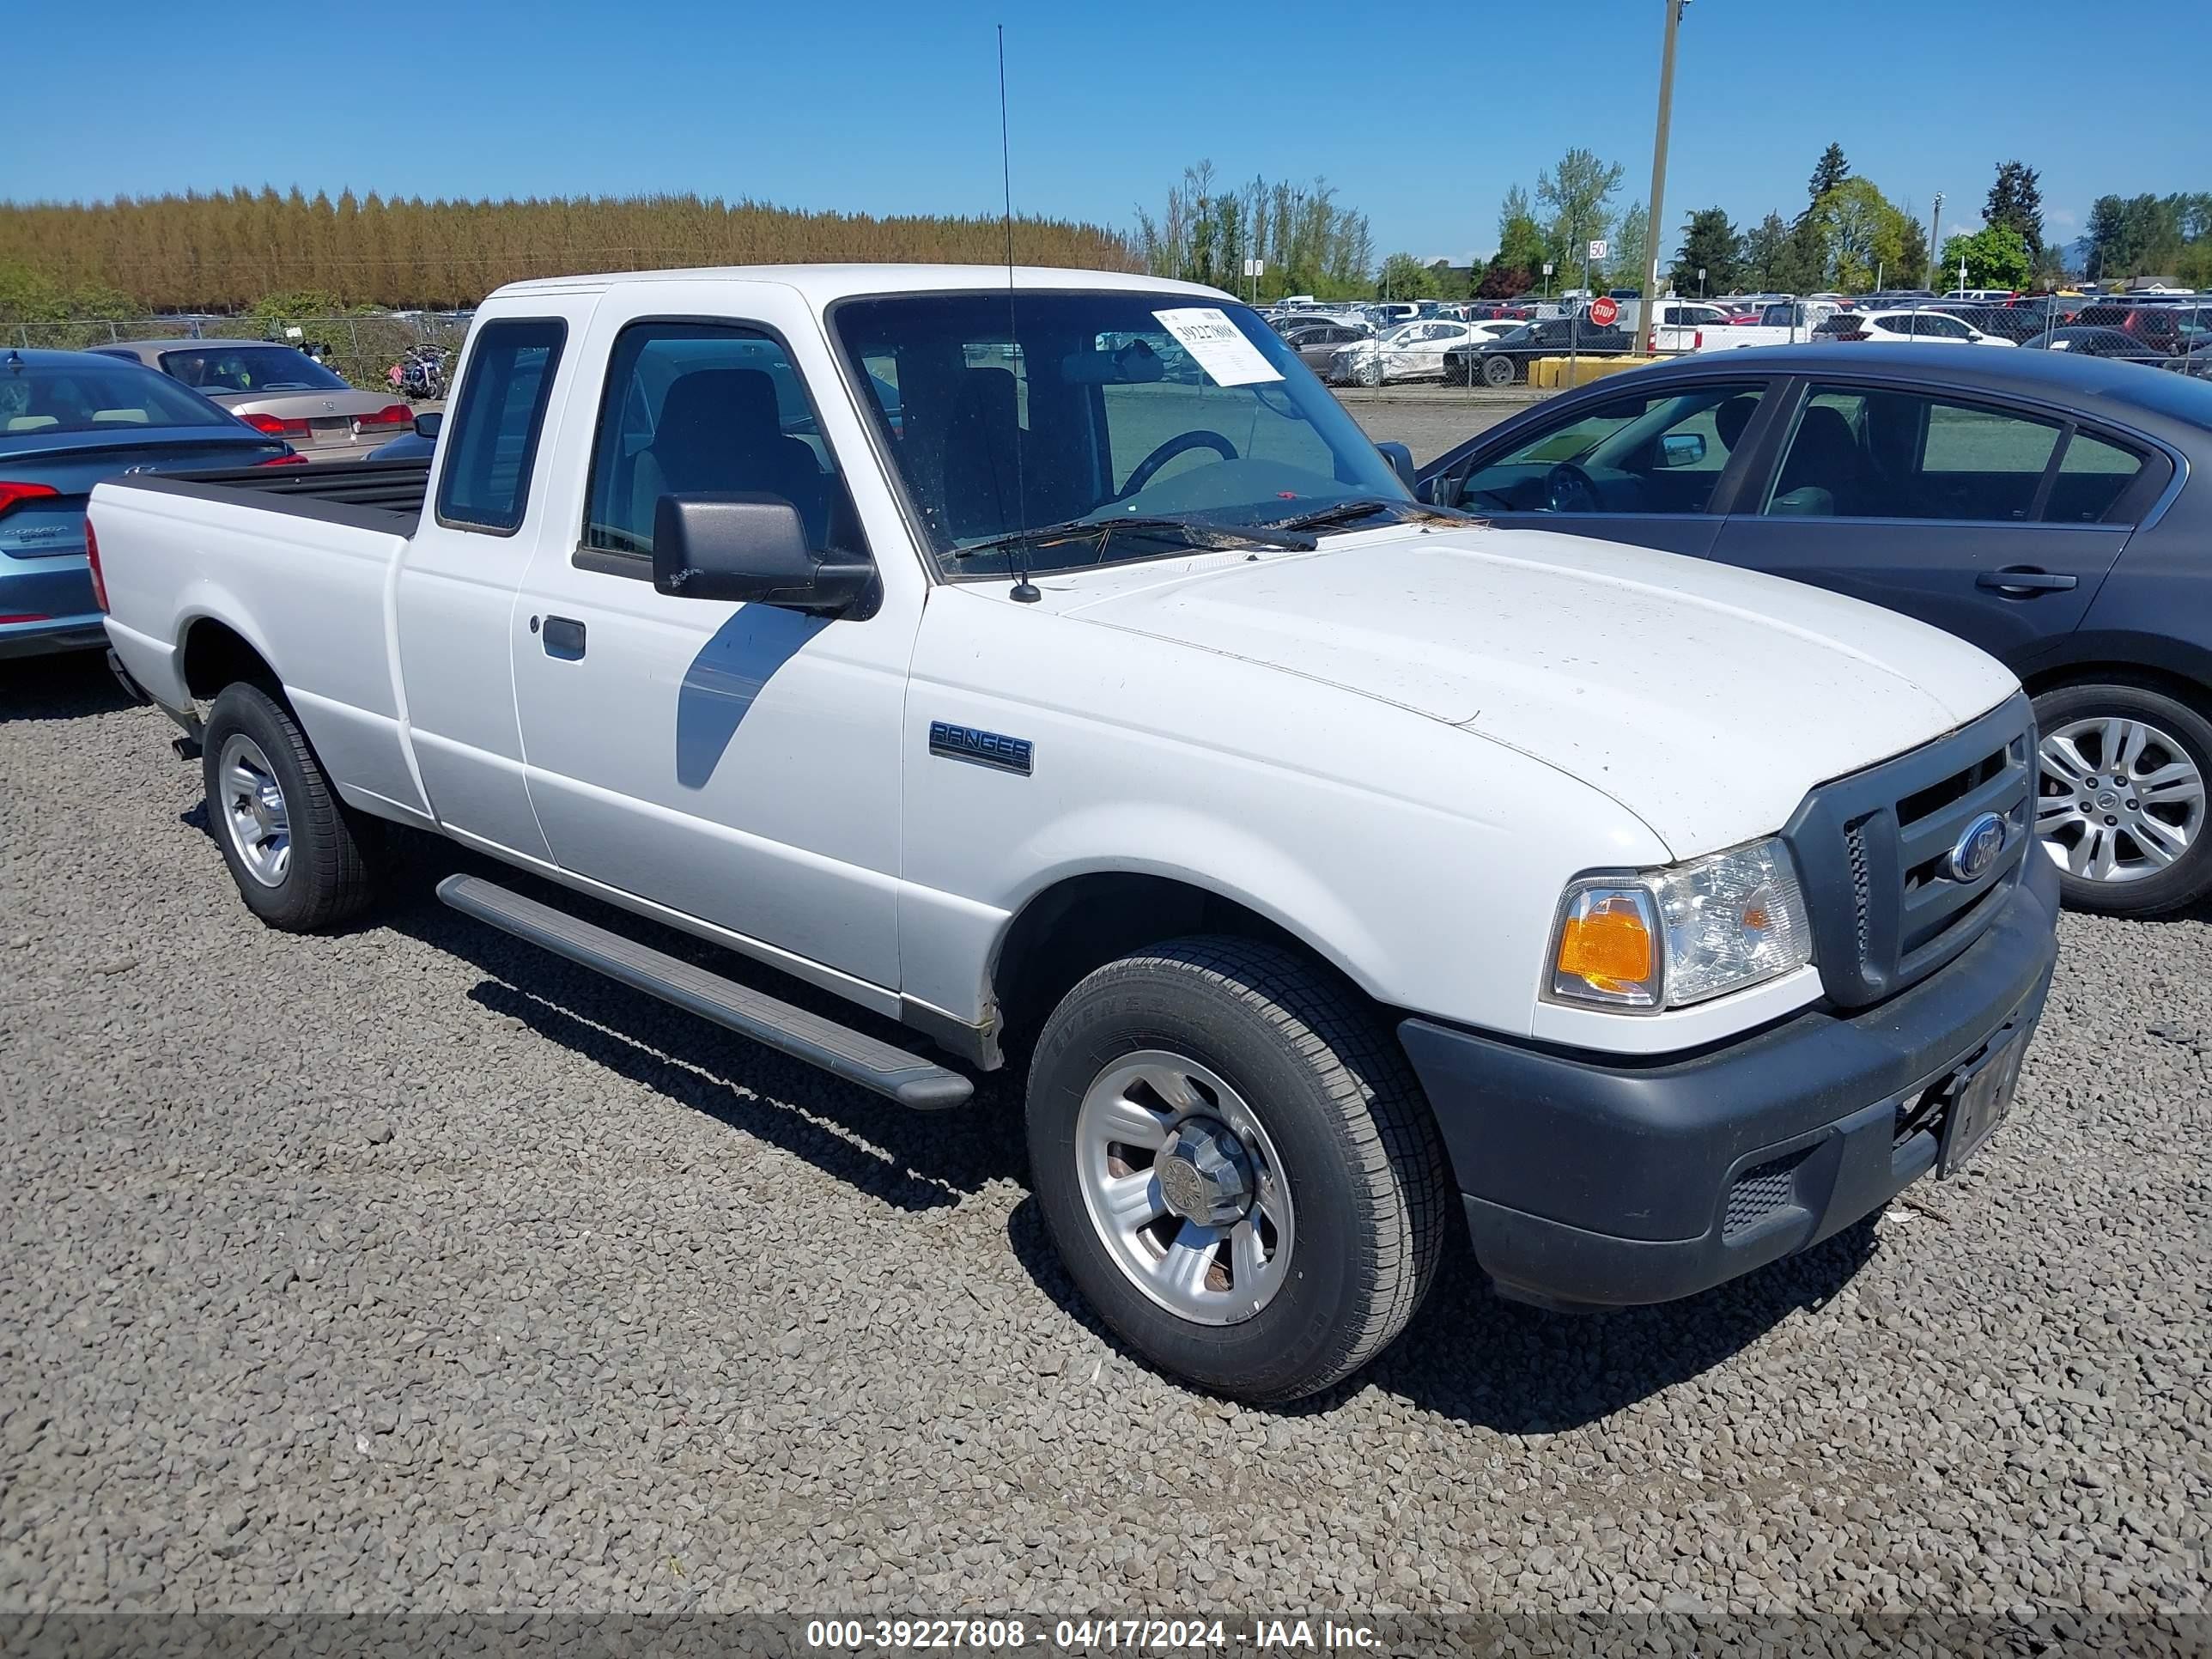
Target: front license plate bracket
[1981, 1098]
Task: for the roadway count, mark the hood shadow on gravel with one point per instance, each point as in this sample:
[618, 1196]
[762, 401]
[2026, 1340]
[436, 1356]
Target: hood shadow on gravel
[909, 1160]
[65, 687]
[1474, 1356]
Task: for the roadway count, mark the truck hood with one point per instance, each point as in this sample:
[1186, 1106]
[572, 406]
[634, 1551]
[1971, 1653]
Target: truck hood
[1704, 698]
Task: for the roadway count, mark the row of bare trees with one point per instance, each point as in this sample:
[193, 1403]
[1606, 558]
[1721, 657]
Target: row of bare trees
[224, 251]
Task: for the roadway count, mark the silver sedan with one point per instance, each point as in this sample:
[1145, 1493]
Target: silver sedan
[277, 389]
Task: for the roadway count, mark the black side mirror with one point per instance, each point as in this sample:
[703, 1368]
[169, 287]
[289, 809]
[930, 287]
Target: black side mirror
[748, 547]
[429, 425]
[1401, 459]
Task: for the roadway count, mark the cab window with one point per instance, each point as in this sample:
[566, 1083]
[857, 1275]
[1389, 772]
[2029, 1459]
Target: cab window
[492, 439]
[704, 407]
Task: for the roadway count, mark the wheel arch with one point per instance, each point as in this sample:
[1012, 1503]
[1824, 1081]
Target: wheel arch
[2167, 678]
[1081, 921]
[212, 653]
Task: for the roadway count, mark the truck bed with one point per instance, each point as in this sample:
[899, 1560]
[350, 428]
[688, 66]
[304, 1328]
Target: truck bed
[385, 496]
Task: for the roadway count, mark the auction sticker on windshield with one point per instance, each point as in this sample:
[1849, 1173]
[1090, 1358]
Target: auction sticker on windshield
[1218, 345]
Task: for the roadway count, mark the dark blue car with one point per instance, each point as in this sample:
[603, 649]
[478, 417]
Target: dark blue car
[2042, 505]
[69, 419]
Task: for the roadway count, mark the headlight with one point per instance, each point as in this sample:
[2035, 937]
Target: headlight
[1664, 938]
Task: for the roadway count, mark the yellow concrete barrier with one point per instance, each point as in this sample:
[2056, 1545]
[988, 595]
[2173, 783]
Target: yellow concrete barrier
[1552, 373]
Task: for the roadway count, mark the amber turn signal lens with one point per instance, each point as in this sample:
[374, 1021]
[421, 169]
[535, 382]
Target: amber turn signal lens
[1609, 948]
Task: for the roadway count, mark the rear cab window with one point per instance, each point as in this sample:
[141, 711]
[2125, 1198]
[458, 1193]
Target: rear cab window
[493, 435]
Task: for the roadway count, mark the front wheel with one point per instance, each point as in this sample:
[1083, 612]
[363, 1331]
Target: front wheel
[1498, 372]
[1237, 1165]
[2120, 804]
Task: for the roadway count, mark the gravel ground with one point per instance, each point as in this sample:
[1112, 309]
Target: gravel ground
[410, 1269]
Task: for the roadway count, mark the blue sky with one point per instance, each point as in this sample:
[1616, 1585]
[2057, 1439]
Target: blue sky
[1422, 118]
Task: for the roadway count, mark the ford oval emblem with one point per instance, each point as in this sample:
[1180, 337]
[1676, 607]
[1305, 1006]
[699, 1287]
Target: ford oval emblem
[1975, 853]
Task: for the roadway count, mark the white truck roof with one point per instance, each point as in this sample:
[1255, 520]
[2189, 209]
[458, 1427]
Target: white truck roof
[821, 285]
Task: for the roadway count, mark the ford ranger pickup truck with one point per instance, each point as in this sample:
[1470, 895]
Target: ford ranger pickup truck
[1044, 661]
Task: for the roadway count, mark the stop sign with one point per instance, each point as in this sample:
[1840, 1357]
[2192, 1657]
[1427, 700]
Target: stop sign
[1603, 311]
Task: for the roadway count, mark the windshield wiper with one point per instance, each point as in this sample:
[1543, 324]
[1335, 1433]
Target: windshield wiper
[1337, 512]
[1211, 538]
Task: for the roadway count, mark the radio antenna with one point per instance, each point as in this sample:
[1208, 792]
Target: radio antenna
[1025, 590]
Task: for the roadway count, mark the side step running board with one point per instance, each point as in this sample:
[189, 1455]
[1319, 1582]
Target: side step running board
[838, 1049]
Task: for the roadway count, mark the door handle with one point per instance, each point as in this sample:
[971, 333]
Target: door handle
[2021, 582]
[562, 637]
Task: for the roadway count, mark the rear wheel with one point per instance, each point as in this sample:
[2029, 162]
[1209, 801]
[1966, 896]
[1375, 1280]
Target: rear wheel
[1237, 1164]
[301, 858]
[1498, 371]
[2122, 804]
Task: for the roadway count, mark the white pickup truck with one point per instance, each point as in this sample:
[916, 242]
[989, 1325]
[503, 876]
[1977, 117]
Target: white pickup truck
[1785, 323]
[1044, 661]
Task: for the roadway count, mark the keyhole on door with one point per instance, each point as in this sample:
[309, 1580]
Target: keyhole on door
[533, 624]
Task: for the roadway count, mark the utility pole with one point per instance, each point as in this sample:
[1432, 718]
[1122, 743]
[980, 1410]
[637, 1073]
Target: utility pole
[1655, 220]
[1936, 230]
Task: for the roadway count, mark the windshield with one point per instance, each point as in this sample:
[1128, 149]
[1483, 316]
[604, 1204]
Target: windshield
[96, 394]
[218, 366]
[1095, 408]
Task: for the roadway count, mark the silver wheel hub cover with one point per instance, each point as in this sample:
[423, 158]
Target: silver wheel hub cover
[1204, 1174]
[1184, 1187]
[2119, 798]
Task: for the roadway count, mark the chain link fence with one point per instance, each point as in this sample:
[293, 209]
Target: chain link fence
[2171, 332]
[362, 349]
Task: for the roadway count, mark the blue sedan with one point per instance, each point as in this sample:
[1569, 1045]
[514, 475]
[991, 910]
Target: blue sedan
[69, 419]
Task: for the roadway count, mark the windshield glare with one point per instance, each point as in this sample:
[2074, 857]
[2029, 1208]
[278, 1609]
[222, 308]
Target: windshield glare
[1090, 408]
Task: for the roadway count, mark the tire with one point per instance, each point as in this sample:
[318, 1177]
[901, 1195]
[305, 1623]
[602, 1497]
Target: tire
[1347, 1172]
[320, 874]
[1499, 371]
[2151, 868]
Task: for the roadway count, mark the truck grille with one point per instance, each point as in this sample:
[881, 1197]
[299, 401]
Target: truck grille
[1874, 852]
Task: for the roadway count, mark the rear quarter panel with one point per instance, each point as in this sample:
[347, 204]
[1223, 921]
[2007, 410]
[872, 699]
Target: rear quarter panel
[312, 597]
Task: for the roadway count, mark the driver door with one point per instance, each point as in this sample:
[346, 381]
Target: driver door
[737, 764]
[1654, 470]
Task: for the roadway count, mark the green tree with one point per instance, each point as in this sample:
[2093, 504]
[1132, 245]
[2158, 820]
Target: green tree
[2016, 200]
[1404, 277]
[1626, 259]
[1575, 196]
[1710, 242]
[1862, 235]
[1995, 256]
[1828, 171]
[1804, 266]
[1911, 253]
[2106, 231]
[1521, 244]
[1766, 254]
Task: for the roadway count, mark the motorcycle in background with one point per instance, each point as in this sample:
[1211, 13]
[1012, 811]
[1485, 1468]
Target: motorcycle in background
[420, 374]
